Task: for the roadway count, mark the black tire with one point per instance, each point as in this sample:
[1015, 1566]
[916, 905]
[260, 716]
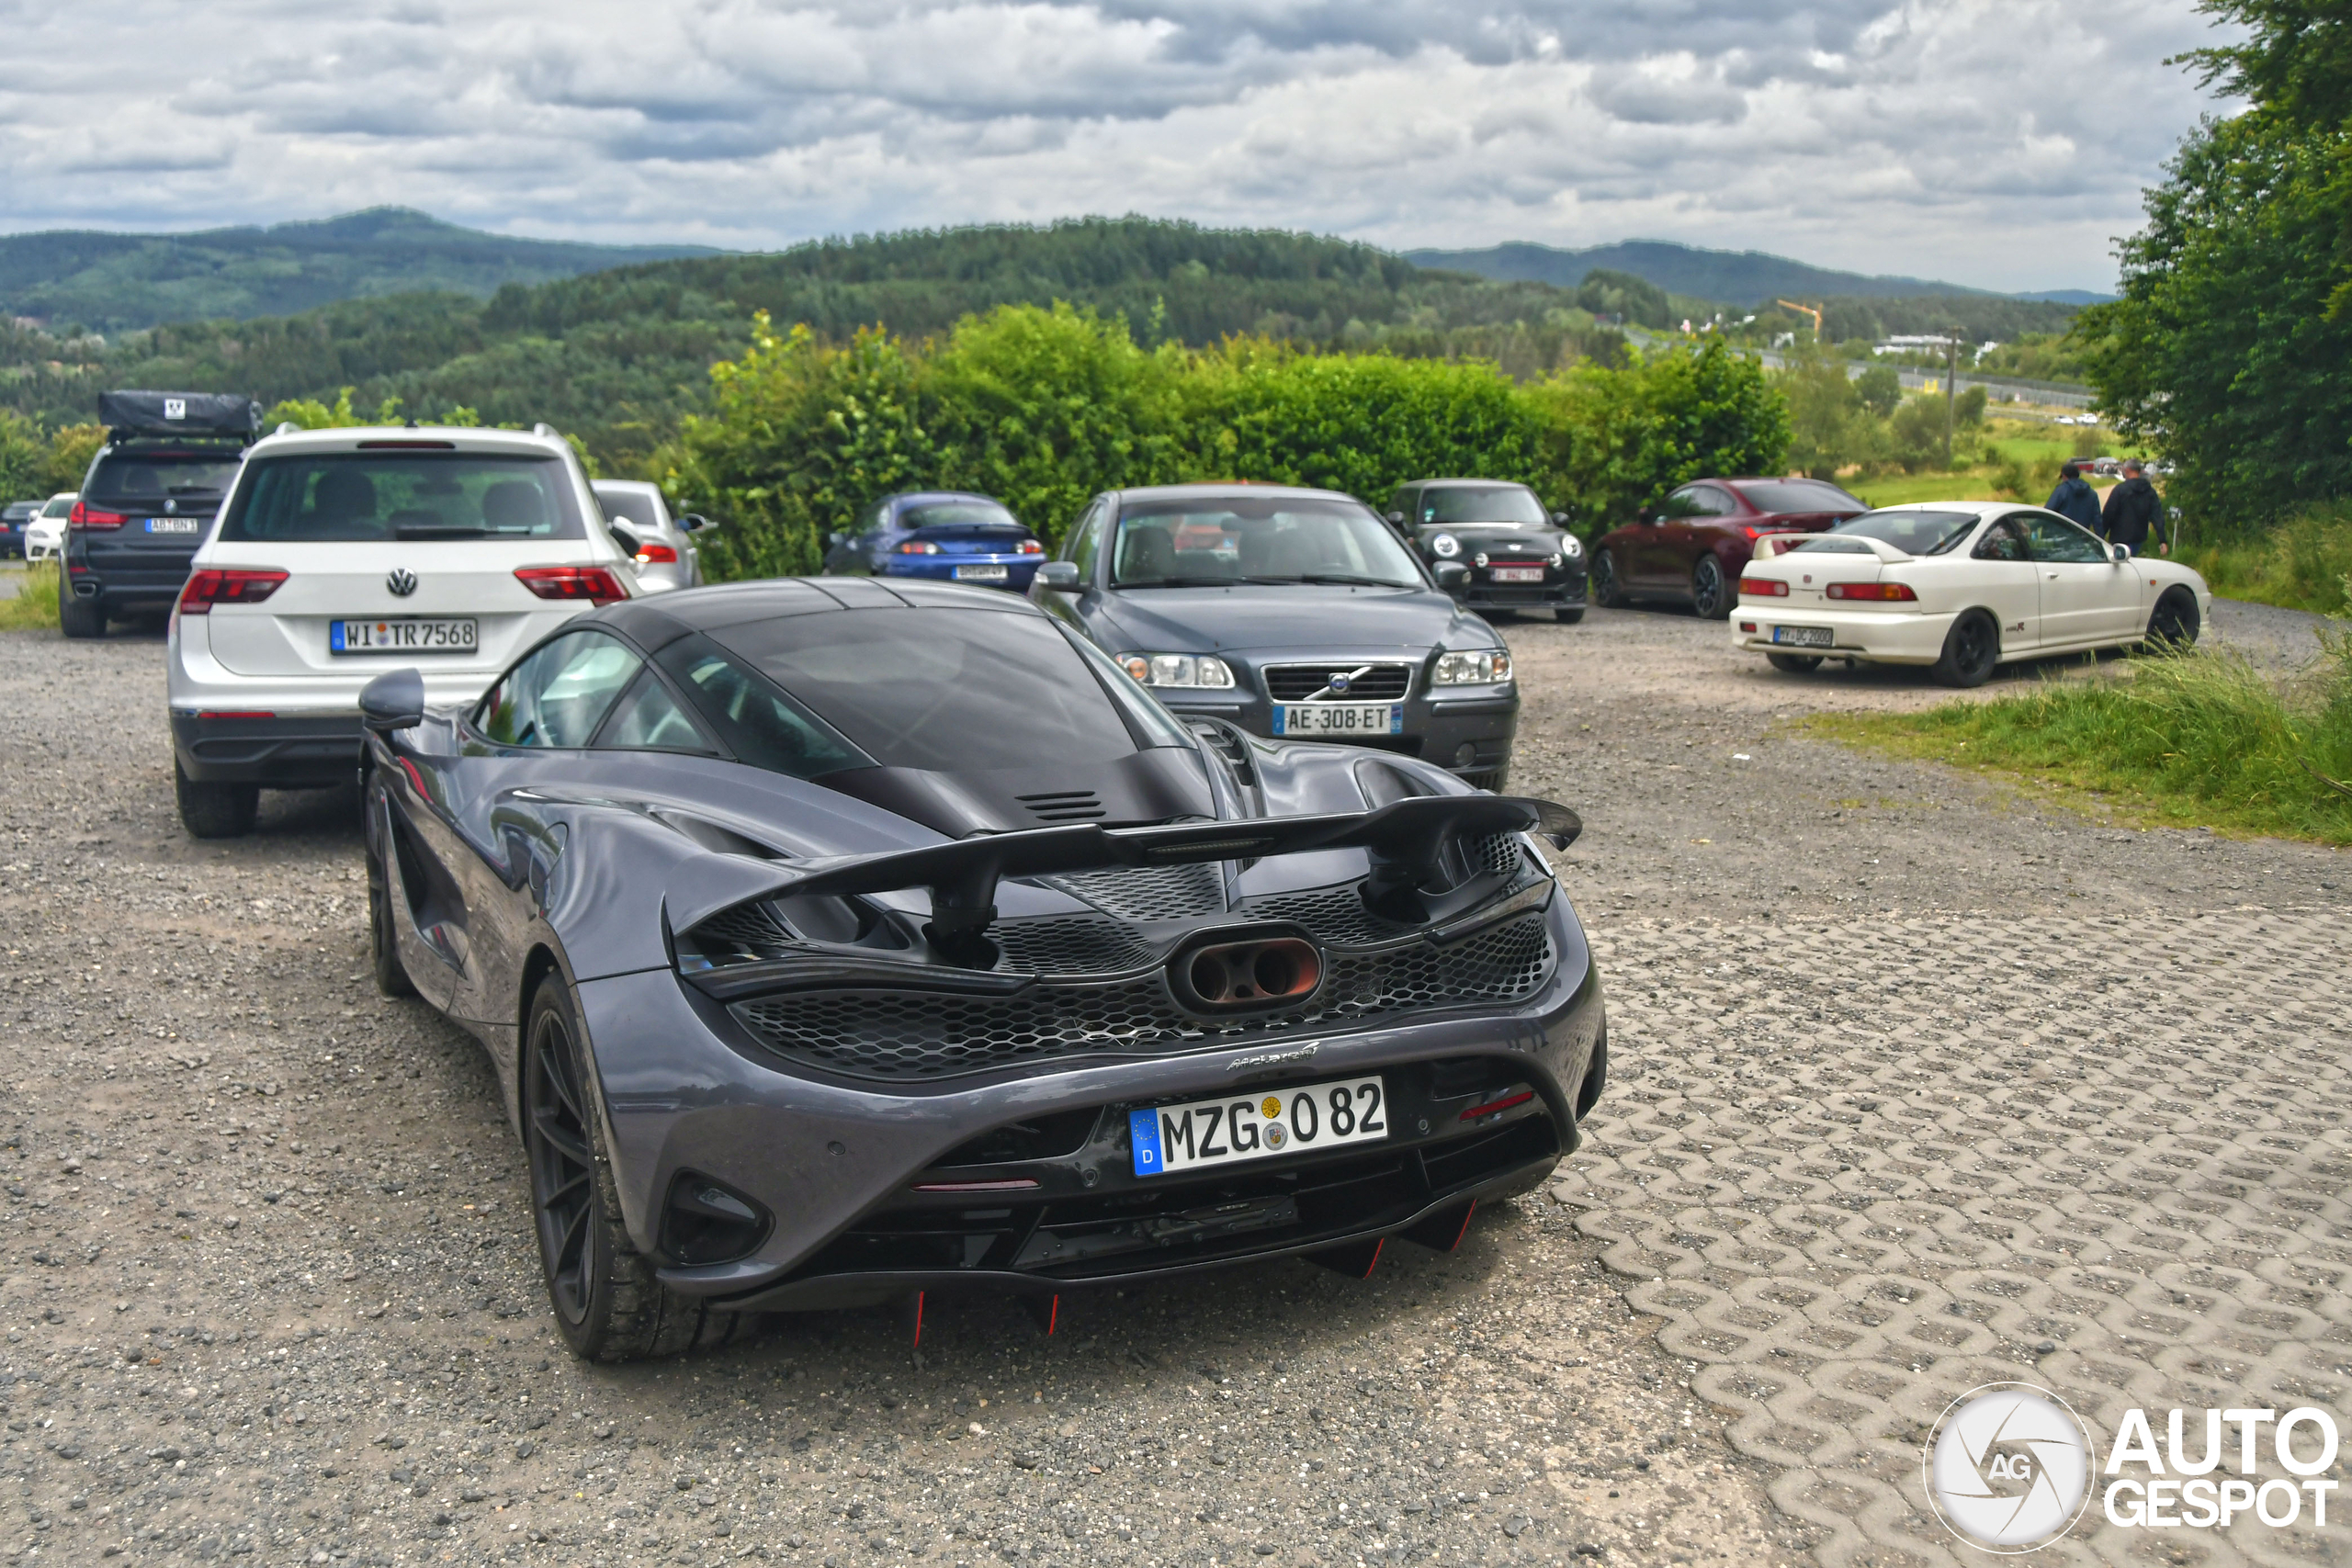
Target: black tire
[2174, 622]
[383, 935]
[1794, 663]
[1712, 593]
[609, 1305]
[215, 810]
[1568, 617]
[77, 617]
[1606, 590]
[1971, 649]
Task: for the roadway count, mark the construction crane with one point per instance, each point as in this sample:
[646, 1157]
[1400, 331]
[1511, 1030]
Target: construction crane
[1813, 311]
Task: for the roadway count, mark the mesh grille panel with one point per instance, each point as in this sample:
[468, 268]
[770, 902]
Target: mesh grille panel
[1151, 892]
[1075, 946]
[909, 1034]
[746, 928]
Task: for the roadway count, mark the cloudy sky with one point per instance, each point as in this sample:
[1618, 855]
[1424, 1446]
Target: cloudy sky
[2000, 144]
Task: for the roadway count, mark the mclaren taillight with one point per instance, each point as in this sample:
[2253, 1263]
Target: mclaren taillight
[1763, 588]
[91, 517]
[1885, 593]
[647, 554]
[1031, 548]
[226, 585]
[1494, 1107]
[595, 583]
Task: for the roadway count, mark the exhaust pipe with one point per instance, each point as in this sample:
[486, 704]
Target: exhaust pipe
[1233, 977]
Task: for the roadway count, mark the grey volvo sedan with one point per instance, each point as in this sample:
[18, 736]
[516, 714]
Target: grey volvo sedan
[1292, 613]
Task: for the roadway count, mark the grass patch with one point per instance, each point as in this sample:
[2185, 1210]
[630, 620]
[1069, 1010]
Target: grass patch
[2020, 462]
[2189, 740]
[2304, 563]
[35, 605]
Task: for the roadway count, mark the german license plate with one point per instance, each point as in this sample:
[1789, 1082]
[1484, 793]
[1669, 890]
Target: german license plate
[1340, 718]
[402, 636]
[1805, 636]
[1237, 1127]
[171, 525]
[1517, 573]
[986, 572]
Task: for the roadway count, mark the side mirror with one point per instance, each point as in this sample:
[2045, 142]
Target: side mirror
[1452, 575]
[1646, 515]
[1396, 516]
[394, 700]
[1061, 576]
[695, 523]
[1561, 518]
[833, 538]
[2121, 552]
[625, 537]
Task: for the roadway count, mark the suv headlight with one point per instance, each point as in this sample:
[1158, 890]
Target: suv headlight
[1478, 669]
[1195, 669]
[1445, 546]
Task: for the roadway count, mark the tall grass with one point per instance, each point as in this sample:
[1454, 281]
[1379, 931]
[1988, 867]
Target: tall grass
[35, 605]
[2301, 564]
[2190, 739]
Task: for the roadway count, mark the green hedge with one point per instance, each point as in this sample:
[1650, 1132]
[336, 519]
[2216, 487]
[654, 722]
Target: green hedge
[1046, 408]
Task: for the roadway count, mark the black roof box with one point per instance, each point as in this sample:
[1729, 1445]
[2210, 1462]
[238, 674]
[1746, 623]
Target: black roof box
[211, 415]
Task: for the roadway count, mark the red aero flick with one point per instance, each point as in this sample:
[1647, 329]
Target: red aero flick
[1691, 546]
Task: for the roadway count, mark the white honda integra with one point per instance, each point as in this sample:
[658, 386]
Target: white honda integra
[1959, 587]
[339, 553]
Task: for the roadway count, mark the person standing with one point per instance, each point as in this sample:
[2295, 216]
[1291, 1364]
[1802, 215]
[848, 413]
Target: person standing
[2135, 509]
[2072, 498]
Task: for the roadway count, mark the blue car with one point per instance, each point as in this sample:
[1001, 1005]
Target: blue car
[942, 534]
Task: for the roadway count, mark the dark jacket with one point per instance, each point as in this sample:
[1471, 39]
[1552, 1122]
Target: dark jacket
[2133, 510]
[2076, 500]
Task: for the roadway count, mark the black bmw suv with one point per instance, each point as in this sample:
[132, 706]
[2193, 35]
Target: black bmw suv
[1517, 556]
[148, 502]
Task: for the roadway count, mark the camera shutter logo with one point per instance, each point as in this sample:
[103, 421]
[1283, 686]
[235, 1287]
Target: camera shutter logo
[402, 583]
[2009, 1467]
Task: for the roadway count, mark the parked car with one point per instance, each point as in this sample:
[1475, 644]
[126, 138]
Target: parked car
[339, 551]
[15, 518]
[147, 502]
[1959, 587]
[1517, 556]
[1692, 547]
[666, 557]
[1293, 614]
[45, 535]
[943, 536]
[809, 983]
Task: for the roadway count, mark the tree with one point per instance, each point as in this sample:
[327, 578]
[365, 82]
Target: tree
[1880, 389]
[1618, 440]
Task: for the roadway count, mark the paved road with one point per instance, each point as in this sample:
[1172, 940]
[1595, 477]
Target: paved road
[270, 1285]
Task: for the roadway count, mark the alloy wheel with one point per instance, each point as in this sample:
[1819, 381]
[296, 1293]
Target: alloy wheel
[563, 1186]
[1707, 595]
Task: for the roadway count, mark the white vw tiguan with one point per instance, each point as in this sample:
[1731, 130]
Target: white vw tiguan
[340, 554]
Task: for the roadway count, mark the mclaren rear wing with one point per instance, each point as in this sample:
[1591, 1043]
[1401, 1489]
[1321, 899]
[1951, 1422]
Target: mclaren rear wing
[1407, 840]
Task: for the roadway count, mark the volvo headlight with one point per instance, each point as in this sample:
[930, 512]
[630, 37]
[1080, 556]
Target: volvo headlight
[1194, 669]
[1445, 546]
[1478, 669]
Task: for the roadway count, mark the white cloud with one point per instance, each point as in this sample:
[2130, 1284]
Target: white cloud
[1999, 144]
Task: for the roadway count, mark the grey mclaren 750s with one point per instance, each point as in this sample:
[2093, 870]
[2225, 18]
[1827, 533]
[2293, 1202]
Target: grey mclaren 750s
[837, 941]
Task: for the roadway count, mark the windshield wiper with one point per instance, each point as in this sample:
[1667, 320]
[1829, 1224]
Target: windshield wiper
[439, 531]
[1184, 582]
[1335, 578]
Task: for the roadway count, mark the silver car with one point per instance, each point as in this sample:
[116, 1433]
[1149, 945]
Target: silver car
[666, 557]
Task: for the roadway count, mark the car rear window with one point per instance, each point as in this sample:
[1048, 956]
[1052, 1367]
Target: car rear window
[1481, 503]
[1800, 495]
[942, 689]
[125, 481]
[1914, 533]
[957, 515]
[329, 496]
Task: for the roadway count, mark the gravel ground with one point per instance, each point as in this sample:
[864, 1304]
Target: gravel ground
[271, 1291]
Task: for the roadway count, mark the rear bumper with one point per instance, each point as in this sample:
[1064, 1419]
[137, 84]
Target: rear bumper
[1436, 730]
[1018, 570]
[1878, 636]
[1561, 589]
[288, 751]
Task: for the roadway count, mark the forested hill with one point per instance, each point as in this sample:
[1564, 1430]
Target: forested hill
[101, 282]
[619, 355]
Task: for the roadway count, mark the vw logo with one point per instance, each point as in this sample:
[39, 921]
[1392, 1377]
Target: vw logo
[1341, 682]
[402, 583]
[2008, 1468]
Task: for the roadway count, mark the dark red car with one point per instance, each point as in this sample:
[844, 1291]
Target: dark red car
[1692, 547]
